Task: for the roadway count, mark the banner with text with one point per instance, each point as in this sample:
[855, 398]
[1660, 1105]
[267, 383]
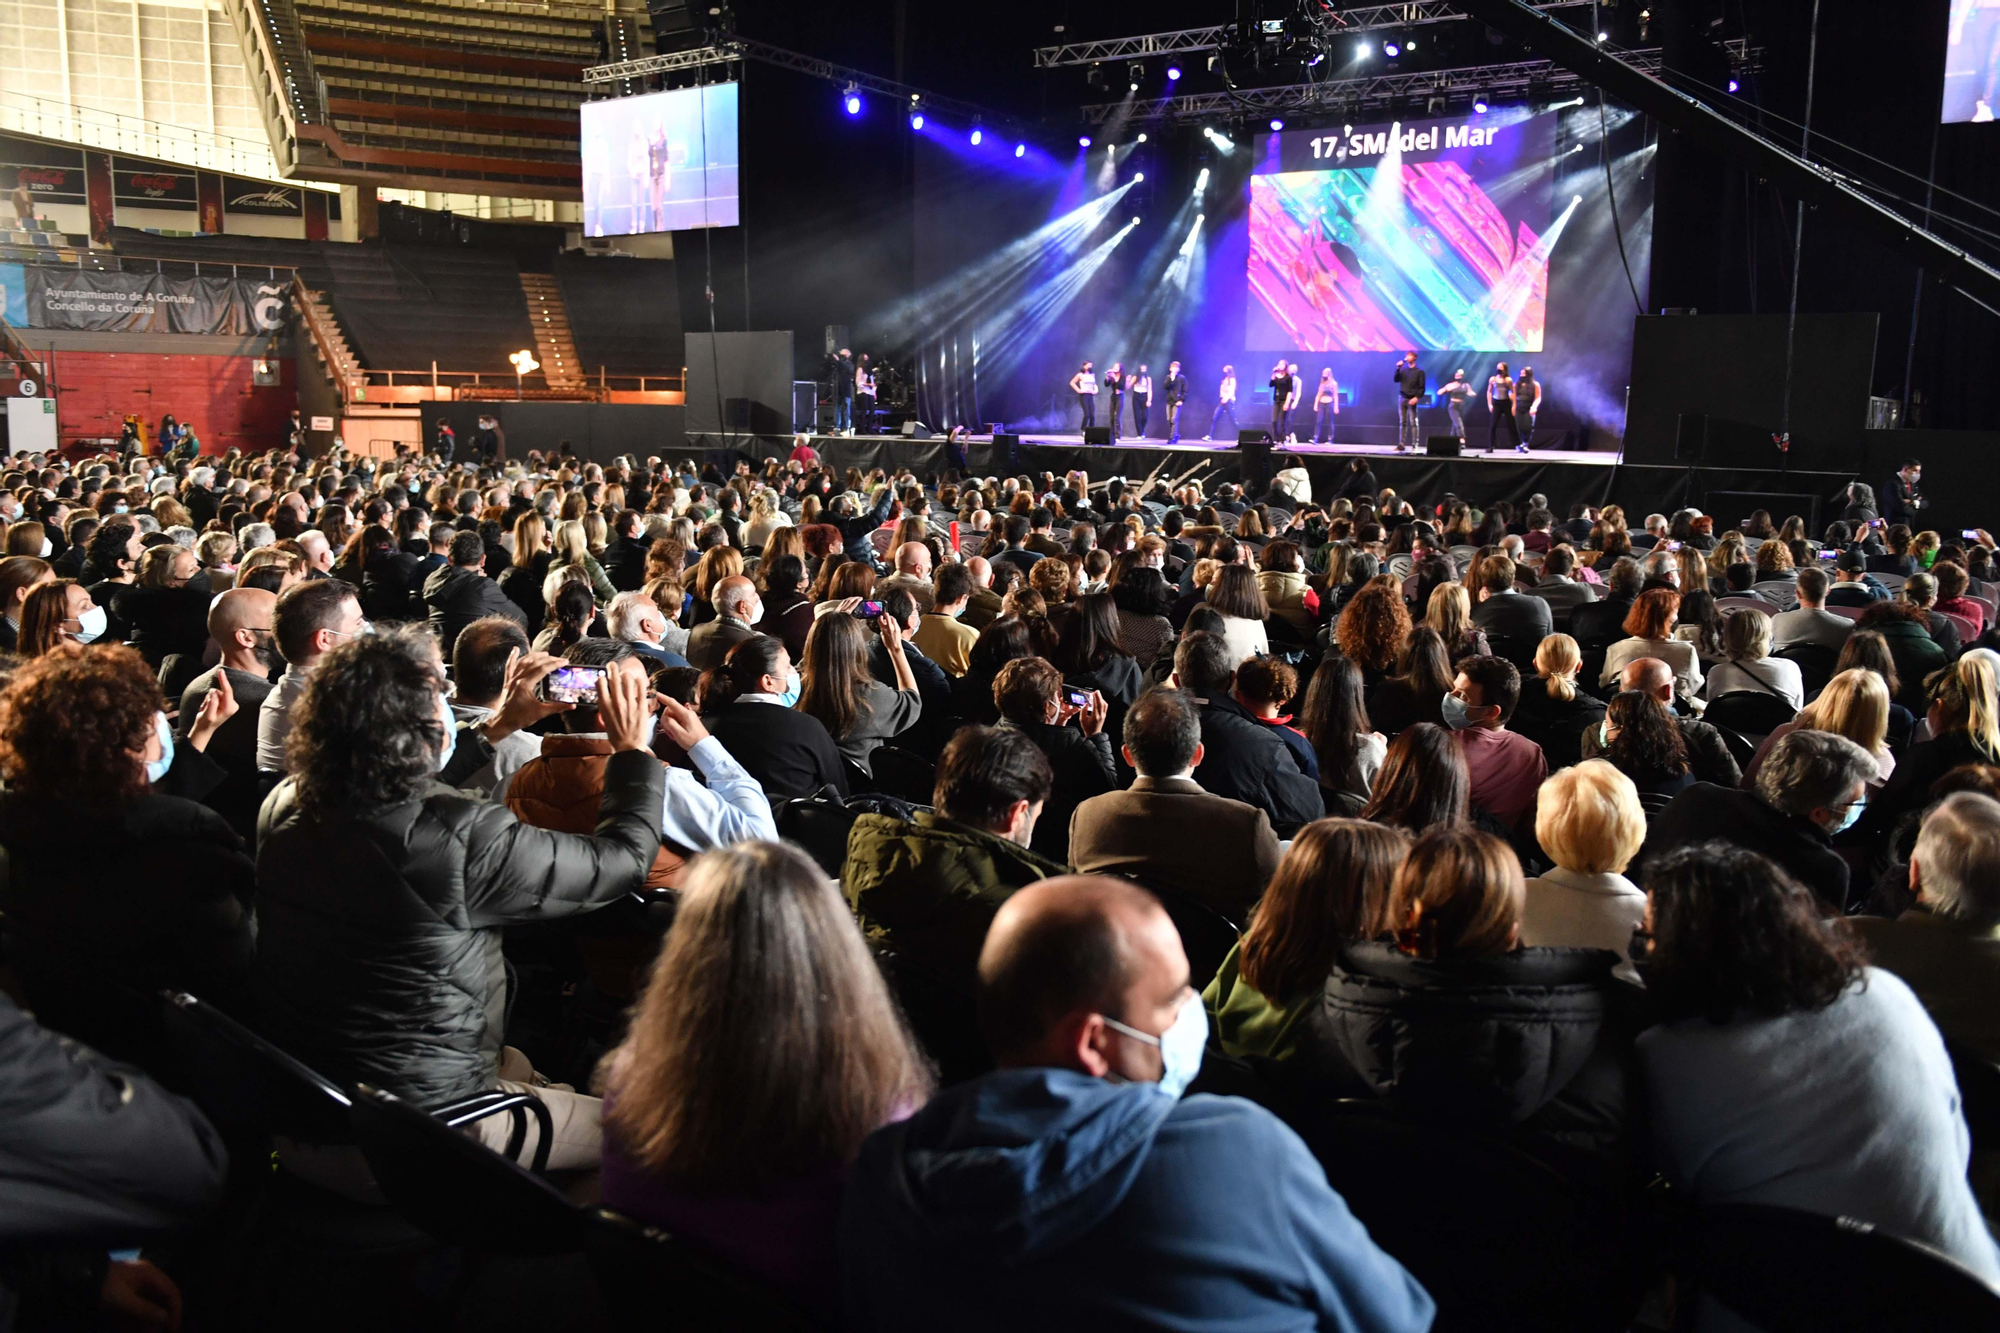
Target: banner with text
[151, 303]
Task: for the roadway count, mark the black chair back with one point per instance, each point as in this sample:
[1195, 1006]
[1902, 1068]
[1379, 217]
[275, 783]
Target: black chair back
[1815, 662]
[245, 1084]
[1501, 1240]
[1739, 746]
[904, 775]
[457, 1189]
[942, 1017]
[1207, 935]
[1751, 713]
[820, 828]
[1788, 1271]
[650, 1279]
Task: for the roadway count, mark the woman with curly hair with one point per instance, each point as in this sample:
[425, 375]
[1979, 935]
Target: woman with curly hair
[118, 883]
[1642, 740]
[1372, 628]
[1787, 1071]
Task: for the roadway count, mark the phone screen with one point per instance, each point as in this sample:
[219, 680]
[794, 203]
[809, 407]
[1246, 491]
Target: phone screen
[572, 685]
[1829, 555]
[1969, 534]
[868, 611]
[1077, 698]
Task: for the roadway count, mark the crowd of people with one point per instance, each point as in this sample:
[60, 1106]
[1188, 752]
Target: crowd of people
[1654, 852]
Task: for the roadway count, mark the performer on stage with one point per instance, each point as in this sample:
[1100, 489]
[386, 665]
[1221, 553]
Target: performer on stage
[1456, 394]
[1411, 386]
[1901, 501]
[1527, 402]
[1326, 406]
[1176, 390]
[1141, 386]
[843, 392]
[864, 395]
[1281, 402]
[1084, 385]
[1114, 384]
[1225, 404]
[1500, 406]
[1292, 404]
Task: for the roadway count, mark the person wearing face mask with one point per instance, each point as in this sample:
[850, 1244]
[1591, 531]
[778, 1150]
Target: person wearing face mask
[1810, 786]
[57, 612]
[111, 568]
[635, 618]
[239, 624]
[942, 634]
[119, 882]
[748, 703]
[563, 787]
[1075, 1175]
[1506, 767]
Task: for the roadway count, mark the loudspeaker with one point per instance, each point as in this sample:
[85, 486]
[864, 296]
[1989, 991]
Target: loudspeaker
[834, 338]
[1097, 434]
[916, 430]
[1246, 438]
[1255, 447]
[1442, 446]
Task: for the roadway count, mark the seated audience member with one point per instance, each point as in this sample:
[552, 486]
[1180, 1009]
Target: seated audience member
[165, 616]
[1599, 624]
[1080, 1150]
[1167, 830]
[1423, 782]
[1241, 759]
[1920, 591]
[239, 623]
[1505, 768]
[1233, 591]
[942, 635]
[1810, 621]
[311, 619]
[1951, 585]
[1748, 666]
[635, 618]
[1454, 1020]
[1514, 622]
[1650, 623]
[1334, 721]
[1031, 697]
[1331, 889]
[479, 662]
[1641, 740]
[382, 890]
[1851, 585]
[838, 688]
[1264, 686]
[1946, 947]
[1785, 1071]
[1589, 822]
[1964, 720]
[1373, 629]
[20, 575]
[1812, 785]
[1903, 626]
[93, 1150]
[460, 592]
[1555, 586]
[1416, 692]
[1553, 712]
[913, 575]
[743, 1147]
[1854, 704]
[788, 611]
[562, 788]
[1707, 753]
[747, 704]
[117, 885]
[933, 685]
[928, 886]
[1090, 657]
[1281, 577]
[737, 608]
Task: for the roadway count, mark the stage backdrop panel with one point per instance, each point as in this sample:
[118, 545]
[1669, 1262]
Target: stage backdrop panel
[739, 383]
[1732, 367]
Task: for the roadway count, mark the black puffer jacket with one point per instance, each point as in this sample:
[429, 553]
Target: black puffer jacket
[379, 935]
[1244, 760]
[457, 597]
[1535, 1043]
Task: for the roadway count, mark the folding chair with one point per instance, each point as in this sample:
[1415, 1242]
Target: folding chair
[651, 1279]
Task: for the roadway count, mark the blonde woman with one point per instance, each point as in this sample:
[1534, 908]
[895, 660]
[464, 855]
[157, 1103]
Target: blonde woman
[1747, 665]
[1450, 614]
[1589, 821]
[1553, 712]
[1854, 704]
[571, 546]
[765, 518]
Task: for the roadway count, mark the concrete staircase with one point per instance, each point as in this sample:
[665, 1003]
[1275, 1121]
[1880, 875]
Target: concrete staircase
[555, 345]
[329, 342]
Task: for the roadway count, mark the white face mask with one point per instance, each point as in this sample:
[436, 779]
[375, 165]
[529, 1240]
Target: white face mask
[91, 625]
[1181, 1045]
[47, 547]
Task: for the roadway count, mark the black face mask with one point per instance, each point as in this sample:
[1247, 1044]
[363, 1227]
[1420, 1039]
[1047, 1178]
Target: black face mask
[268, 654]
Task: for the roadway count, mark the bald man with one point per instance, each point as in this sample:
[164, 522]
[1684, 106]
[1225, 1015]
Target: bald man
[1708, 754]
[983, 607]
[913, 575]
[239, 622]
[737, 607]
[1059, 1189]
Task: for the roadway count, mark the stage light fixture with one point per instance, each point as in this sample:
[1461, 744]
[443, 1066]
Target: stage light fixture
[978, 135]
[1142, 136]
[1135, 222]
[1135, 72]
[1434, 106]
[1577, 149]
[1410, 44]
[1392, 49]
[1362, 50]
[1603, 37]
[1020, 150]
[1201, 181]
[1083, 140]
[1173, 74]
[851, 99]
[1276, 124]
[916, 120]
[1479, 105]
[1138, 177]
[1094, 76]
[1734, 85]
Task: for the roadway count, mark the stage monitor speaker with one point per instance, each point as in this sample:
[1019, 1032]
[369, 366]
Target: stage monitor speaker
[917, 430]
[1255, 447]
[1097, 434]
[1442, 446]
[1246, 439]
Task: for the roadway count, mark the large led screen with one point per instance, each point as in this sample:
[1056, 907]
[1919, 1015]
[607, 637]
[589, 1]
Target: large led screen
[1420, 234]
[660, 162]
[1972, 61]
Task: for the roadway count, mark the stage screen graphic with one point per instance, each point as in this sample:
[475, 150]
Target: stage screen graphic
[1419, 234]
[660, 162]
[1972, 61]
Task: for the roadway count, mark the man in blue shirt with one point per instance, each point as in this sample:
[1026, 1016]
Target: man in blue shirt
[1075, 1188]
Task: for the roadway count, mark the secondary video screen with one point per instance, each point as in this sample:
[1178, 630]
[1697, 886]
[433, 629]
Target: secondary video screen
[660, 162]
[1419, 234]
[1972, 61]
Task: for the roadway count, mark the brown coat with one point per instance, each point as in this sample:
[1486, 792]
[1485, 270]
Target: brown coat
[1170, 834]
[563, 790]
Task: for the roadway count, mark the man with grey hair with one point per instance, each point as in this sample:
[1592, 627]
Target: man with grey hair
[1947, 946]
[255, 537]
[737, 608]
[913, 575]
[1655, 533]
[1812, 785]
[635, 618]
[319, 553]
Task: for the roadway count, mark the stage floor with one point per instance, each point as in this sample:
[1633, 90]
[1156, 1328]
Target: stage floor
[1588, 458]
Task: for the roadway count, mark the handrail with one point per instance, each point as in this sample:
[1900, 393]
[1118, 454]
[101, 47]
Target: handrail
[14, 350]
[345, 373]
[669, 383]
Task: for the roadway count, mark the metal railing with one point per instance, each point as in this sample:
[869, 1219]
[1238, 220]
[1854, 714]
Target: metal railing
[590, 387]
[105, 261]
[135, 136]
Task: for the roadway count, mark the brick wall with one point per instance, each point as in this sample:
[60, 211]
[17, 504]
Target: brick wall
[212, 395]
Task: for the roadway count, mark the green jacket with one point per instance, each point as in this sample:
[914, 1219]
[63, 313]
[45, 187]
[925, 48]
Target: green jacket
[1246, 1022]
[929, 887]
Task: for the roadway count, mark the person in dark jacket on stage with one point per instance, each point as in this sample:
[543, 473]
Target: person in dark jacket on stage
[1412, 386]
[383, 891]
[1241, 758]
[1902, 502]
[460, 592]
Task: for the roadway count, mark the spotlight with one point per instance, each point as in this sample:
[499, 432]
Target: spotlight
[1094, 76]
[1276, 124]
[916, 120]
[1362, 51]
[1135, 222]
[1142, 136]
[1083, 140]
[1201, 181]
[851, 99]
[1020, 150]
[1434, 106]
[1173, 74]
[1734, 85]
[1410, 45]
[1479, 105]
[1392, 49]
[1138, 176]
[1577, 149]
[1603, 36]
[977, 135]
[1135, 72]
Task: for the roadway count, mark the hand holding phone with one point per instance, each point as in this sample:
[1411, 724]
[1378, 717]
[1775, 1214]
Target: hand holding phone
[571, 685]
[867, 611]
